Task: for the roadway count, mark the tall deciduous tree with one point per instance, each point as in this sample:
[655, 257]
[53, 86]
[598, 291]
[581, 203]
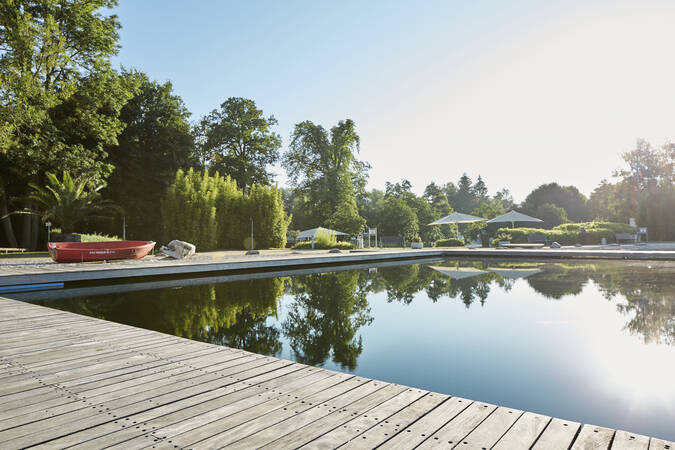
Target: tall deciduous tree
[646, 191]
[237, 140]
[155, 143]
[567, 197]
[59, 97]
[323, 168]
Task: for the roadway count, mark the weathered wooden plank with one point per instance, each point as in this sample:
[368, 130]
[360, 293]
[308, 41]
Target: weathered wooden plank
[397, 422]
[266, 428]
[490, 430]
[660, 444]
[238, 425]
[309, 425]
[342, 433]
[131, 403]
[557, 434]
[216, 403]
[523, 433]
[591, 437]
[458, 427]
[431, 423]
[624, 440]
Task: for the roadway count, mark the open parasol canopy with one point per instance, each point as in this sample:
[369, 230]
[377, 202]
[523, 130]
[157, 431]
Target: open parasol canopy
[513, 217]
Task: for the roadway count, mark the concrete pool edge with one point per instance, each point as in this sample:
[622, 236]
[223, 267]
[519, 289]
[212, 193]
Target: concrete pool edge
[36, 274]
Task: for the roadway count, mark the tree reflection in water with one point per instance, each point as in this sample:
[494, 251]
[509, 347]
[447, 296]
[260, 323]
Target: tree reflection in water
[322, 323]
[230, 313]
[644, 292]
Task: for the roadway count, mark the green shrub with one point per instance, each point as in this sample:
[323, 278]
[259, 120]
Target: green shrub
[306, 245]
[450, 242]
[323, 240]
[567, 233]
[85, 237]
[211, 212]
[94, 237]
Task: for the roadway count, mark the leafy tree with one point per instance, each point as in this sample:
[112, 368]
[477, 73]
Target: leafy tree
[323, 168]
[551, 214]
[506, 199]
[437, 199]
[59, 98]
[645, 190]
[346, 218]
[370, 207]
[68, 202]
[398, 219]
[237, 140]
[155, 143]
[488, 209]
[567, 197]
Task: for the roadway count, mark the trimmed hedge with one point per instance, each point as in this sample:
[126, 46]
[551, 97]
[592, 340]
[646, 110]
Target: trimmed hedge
[450, 242]
[567, 233]
[306, 245]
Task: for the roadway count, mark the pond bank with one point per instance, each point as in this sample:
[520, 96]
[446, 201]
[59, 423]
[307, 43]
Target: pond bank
[23, 273]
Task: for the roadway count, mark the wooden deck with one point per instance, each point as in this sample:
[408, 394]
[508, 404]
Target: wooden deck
[73, 381]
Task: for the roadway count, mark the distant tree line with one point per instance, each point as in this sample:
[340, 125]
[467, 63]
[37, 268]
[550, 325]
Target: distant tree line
[72, 125]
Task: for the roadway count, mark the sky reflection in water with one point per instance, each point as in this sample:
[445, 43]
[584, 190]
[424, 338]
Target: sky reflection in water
[591, 342]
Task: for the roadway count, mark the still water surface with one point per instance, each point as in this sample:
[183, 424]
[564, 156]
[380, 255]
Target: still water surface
[591, 342]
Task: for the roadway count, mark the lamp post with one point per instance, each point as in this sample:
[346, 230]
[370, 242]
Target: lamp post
[48, 224]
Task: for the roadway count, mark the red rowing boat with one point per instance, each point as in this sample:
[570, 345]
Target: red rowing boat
[98, 251]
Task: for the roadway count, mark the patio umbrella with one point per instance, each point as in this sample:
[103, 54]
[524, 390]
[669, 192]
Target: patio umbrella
[457, 217]
[311, 234]
[513, 217]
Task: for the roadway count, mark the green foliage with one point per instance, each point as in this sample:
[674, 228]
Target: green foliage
[68, 202]
[346, 218]
[60, 100]
[323, 169]
[155, 143]
[88, 237]
[551, 214]
[211, 212]
[398, 219]
[567, 234]
[566, 197]
[189, 209]
[95, 237]
[646, 191]
[307, 245]
[237, 140]
[450, 242]
[323, 239]
[270, 222]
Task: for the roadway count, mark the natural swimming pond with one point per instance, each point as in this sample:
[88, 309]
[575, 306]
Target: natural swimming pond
[591, 342]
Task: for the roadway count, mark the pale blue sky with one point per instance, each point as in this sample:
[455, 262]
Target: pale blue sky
[521, 92]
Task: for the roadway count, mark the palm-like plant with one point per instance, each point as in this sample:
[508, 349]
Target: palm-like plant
[68, 202]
